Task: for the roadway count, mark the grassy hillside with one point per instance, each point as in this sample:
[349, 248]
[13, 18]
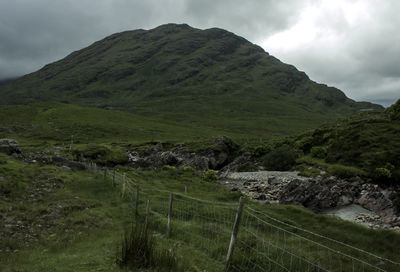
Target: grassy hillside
[62, 220]
[189, 76]
[366, 144]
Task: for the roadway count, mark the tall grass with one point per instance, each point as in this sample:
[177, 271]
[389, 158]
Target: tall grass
[139, 249]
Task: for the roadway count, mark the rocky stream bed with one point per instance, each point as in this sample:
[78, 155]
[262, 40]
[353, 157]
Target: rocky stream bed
[353, 199]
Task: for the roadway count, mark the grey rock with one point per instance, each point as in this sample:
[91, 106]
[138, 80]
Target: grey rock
[156, 156]
[10, 146]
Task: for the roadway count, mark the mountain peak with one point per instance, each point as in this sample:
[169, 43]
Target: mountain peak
[179, 71]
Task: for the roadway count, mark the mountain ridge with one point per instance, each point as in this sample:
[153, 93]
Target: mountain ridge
[179, 72]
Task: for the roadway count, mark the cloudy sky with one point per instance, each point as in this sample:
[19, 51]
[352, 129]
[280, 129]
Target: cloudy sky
[350, 44]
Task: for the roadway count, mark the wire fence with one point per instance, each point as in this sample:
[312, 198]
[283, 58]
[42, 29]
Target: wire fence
[261, 243]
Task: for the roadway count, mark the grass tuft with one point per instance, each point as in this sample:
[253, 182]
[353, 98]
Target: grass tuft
[139, 249]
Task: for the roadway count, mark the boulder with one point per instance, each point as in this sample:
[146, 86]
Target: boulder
[243, 162]
[10, 146]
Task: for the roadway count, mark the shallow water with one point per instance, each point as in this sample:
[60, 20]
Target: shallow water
[349, 212]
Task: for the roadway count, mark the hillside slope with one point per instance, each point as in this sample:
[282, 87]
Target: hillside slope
[188, 75]
[368, 141]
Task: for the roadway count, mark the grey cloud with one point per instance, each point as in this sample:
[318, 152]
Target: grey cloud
[252, 19]
[363, 62]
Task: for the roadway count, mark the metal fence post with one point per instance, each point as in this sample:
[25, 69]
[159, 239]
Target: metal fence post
[169, 215]
[147, 221]
[137, 201]
[234, 233]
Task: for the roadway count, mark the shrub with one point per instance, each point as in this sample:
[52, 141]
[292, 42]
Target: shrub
[304, 143]
[342, 171]
[319, 152]
[169, 168]
[394, 111]
[282, 158]
[187, 169]
[382, 172]
[210, 175]
[139, 250]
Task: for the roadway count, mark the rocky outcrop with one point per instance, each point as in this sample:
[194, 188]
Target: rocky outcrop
[10, 146]
[221, 154]
[374, 198]
[317, 194]
[242, 163]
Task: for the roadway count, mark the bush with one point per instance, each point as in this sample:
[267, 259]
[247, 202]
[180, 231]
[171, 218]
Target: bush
[394, 111]
[139, 250]
[187, 169]
[210, 175]
[319, 152]
[169, 168]
[342, 171]
[382, 172]
[282, 158]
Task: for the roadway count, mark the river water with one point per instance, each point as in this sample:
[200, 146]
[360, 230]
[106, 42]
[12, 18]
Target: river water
[349, 212]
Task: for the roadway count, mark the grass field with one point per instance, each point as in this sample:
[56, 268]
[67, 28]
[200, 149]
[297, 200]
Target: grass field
[60, 220]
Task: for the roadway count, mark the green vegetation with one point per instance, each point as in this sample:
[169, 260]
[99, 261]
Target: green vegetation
[210, 175]
[184, 87]
[394, 111]
[139, 249]
[181, 75]
[76, 219]
[282, 158]
[365, 145]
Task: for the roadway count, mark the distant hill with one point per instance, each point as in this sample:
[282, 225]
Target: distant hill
[190, 76]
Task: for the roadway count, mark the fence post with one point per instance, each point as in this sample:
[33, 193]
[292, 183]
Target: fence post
[137, 201]
[146, 224]
[123, 186]
[234, 233]
[169, 214]
[113, 179]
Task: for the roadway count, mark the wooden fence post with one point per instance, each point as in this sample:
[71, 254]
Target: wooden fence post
[137, 201]
[169, 215]
[234, 234]
[113, 179]
[147, 221]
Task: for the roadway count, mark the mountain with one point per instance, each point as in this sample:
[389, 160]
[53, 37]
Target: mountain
[181, 74]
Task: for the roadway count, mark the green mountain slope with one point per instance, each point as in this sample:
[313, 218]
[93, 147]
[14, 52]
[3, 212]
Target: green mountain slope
[183, 74]
[368, 142]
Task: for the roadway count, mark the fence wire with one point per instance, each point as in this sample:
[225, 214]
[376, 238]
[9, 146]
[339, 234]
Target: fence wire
[264, 243]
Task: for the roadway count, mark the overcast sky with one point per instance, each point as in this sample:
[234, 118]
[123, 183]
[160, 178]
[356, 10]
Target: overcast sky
[350, 44]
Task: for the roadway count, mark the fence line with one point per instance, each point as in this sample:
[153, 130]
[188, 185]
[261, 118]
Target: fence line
[262, 244]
